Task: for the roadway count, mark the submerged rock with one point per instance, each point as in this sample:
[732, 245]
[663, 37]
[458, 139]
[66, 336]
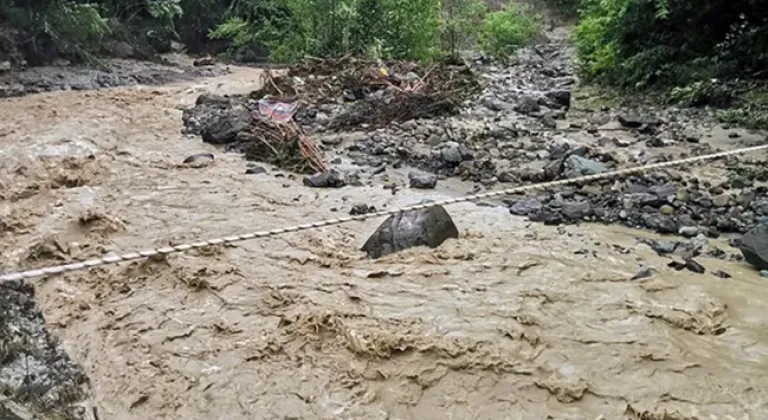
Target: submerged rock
[428, 227]
[37, 377]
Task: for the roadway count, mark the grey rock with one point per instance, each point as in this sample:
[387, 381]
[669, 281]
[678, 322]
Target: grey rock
[452, 155]
[199, 157]
[506, 177]
[560, 97]
[526, 206]
[577, 210]
[643, 274]
[689, 231]
[222, 127]
[664, 247]
[429, 227]
[421, 180]
[667, 225]
[212, 99]
[721, 200]
[637, 121]
[255, 170]
[754, 247]
[37, 376]
[358, 209]
[330, 179]
[577, 166]
[665, 191]
[764, 273]
[527, 105]
[496, 105]
[549, 121]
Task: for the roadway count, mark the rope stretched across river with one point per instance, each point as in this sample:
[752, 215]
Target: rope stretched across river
[112, 259]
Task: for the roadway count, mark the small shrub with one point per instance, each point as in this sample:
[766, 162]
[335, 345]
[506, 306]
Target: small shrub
[462, 21]
[505, 31]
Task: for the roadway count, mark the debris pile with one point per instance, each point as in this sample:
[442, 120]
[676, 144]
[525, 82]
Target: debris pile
[380, 93]
[368, 93]
[263, 130]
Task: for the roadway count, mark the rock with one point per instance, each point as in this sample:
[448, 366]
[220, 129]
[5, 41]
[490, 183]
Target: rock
[12, 90]
[643, 274]
[722, 274]
[577, 166]
[560, 97]
[452, 155]
[358, 209]
[667, 210]
[255, 170]
[37, 376]
[754, 247]
[764, 273]
[667, 225]
[422, 180]
[694, 266]
[689, 231]
[330, 179]
[721, 200]
[637, 121]
[577, 210]
[212, 99]
[548, 121]
[664, 247]
[496, 105]
[5, 66]
[526, 206]
[506, 177]
[222, 127]
[429, 227]
[205, 61]
[199, 157]
[527, 105]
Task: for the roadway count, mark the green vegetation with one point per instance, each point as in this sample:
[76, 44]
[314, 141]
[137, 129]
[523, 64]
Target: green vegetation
[505, 31]
[648, 43]
[286, 30]
[695, 51]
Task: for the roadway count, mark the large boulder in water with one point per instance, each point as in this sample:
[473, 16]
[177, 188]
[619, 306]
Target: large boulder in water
[37, 377]
[222, 126]
[428, 227]
[754, 247]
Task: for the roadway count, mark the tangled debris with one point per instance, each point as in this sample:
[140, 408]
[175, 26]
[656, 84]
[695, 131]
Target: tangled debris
[380, 92]
[259, 129]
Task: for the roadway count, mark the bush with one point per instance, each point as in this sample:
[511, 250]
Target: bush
[294, 29]
[642, 43]
[505, 31]
[462, 21]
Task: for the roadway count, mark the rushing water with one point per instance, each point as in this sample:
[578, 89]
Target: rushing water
[513, 320]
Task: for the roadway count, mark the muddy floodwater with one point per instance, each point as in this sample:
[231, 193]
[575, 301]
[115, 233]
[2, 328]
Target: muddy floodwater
[513, 320]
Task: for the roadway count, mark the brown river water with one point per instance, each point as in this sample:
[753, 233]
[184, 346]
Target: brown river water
[507, 322]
